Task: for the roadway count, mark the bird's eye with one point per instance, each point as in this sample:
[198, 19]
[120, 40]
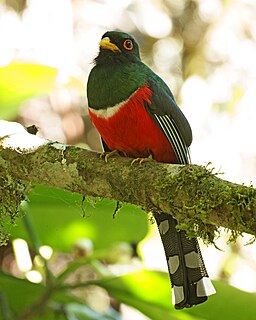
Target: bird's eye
[128, 44]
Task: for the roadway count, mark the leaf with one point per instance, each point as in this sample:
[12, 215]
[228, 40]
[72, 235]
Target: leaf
[147, 291]
[20, 81]
[229, 303]
[59, 220]
[19, 293]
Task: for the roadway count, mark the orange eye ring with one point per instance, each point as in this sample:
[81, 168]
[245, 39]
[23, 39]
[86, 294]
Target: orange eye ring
[128, 44]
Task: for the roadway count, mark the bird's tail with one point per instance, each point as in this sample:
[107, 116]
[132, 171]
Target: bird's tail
[190, 282]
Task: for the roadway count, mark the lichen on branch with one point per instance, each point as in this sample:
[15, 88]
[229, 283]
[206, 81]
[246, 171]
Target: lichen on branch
[194, 195]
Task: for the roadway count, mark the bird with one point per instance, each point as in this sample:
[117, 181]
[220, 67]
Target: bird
[136, 114]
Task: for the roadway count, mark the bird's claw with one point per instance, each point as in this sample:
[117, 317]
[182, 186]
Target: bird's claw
[106, 155]
[141, 160]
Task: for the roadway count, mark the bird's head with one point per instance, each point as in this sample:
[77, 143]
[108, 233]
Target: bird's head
[117, 47]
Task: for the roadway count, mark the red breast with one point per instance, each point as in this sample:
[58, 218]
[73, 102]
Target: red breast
[127, 127]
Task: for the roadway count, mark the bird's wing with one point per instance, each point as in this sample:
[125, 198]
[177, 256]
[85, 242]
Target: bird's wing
[165, 112]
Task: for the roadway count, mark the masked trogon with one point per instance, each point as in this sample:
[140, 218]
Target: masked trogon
[136, 114]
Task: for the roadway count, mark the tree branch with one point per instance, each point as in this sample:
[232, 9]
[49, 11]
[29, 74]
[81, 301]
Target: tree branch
[192, 194]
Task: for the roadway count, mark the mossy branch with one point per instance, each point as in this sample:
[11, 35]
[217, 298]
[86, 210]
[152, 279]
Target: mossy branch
[193, 194]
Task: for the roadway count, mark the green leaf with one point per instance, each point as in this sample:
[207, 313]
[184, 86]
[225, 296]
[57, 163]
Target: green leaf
[229, 303]
[20, 81]
[147, 291]
[150, 293]
[60, 218]
[19, 293]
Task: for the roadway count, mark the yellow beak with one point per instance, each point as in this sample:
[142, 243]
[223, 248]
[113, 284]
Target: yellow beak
[106, 44]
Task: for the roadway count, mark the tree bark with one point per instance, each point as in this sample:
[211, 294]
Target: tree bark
[193, 194]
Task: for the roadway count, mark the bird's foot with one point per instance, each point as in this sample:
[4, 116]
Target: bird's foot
[106, 155]
[141, 160]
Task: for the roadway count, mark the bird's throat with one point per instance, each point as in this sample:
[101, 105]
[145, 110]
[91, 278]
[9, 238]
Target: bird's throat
[109, 112]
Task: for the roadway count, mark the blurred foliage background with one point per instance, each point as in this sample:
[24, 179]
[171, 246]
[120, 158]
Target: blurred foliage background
[67, 257]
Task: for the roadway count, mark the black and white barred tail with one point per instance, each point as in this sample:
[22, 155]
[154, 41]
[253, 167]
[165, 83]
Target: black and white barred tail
[190, 282]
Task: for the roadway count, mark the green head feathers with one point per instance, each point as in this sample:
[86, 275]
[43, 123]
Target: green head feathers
[118, 71]
[117, 47]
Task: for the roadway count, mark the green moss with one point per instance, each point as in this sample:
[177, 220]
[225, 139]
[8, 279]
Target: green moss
[12, 192]
[198, 199]
[244, 199]
[197, 191]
